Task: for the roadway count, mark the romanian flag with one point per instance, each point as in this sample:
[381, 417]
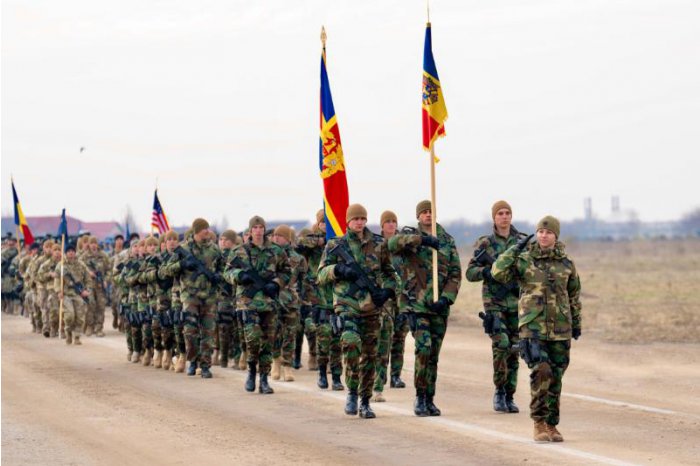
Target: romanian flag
[20, 221]
[331, 163]
[434, 109]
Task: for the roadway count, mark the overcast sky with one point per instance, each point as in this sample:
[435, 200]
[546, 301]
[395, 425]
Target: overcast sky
[550, 101]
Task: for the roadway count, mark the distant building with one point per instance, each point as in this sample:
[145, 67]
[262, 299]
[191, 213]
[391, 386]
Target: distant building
[42, 226]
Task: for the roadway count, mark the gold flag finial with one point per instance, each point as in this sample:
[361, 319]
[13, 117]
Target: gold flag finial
[323, 36]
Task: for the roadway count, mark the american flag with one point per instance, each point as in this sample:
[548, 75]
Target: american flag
[158, 219]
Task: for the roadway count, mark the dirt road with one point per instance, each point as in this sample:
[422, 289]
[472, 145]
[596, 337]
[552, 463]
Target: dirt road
[623, 404]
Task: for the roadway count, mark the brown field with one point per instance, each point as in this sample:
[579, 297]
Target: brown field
[632, 292]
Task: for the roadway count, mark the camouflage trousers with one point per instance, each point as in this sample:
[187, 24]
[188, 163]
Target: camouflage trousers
[505, 360]
[95, 317]
[398, 344]
[328, 347]
[178, 332]
[229, 343]
[307, 327]
[49, 315]
[260, 328]
[136, 338]
[74, 309]
[286, 337]
[383, 351]
[429, 334]
[545, 381]
[199, 331]
[163, 338]
[359, 343]
[38, 309]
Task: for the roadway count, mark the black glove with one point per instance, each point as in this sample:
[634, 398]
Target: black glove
[487, 273]
[271, 290]
[244, 278]
[440, 306]
[522, 243]
[429, 241]
[382, 295]
[345, 272]
[575, 333]
[189, 263]
[120, 266]
[214, 278]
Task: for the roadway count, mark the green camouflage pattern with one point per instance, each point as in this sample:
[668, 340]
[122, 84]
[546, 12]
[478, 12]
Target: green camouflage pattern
[546, 379]
[417, 291]
[549, 306]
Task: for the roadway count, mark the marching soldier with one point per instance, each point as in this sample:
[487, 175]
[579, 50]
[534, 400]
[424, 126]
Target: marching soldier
[195, 264]
[549, 312]
[259, 269]
[47, 275]
[227, 323]
[76, 290]
[500, 305]
[359, 267]
[290, 304]
[98, 264]
[428, 316]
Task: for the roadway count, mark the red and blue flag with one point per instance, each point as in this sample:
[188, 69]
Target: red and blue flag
[434, 110]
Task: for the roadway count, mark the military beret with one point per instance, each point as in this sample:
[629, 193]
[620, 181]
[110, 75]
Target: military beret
[199, 224]
[70, 247]
[422, 206]
[387, 216]
[549, 223]
[355, 211]
[498, 205]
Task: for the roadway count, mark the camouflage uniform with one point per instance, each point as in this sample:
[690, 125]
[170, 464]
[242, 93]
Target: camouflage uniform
[417, 298]
[198, 295]
[549, 309]
[40, 293]
[141, 334]
[75, 276]
[46, 274]
[259, 312]
[23, 268]
[125, 305]
[290, 299]
[161, 322]
[227, 323]
[117, 290]
[99, 265]
[501, 301]
[327, 344]
[8, 279]
[354, 305]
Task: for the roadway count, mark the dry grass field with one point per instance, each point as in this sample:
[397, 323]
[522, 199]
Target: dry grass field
[632, 292]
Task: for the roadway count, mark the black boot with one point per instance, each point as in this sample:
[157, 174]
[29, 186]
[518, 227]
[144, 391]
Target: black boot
[396, 382]
[430, 406]
[365, 410]
[206, 373]
[510, 404]
[250, 381]
[322, 378]
[351, 403]
[337, 384]
[265, 388]
[296, 361]
[192, 369]
[499, 400]
[419, 408]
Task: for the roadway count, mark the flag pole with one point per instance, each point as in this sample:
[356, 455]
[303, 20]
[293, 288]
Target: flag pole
[60, 306]
[433, 226]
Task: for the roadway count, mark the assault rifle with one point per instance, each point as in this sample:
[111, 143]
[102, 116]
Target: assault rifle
[363, 282]
[200, 268]
[258, 281]
[484, 259]
[77, 287]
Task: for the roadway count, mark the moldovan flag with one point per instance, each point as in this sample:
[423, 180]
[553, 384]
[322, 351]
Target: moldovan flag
[434, 109]
[331, 163]
[20, 221]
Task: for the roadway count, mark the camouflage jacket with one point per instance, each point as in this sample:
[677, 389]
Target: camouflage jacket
[227, 291]
[269, 261]
[194, 286]
[159, 290]
[118, 275]
[290, 296]
[30, 275]
[372, 254]
[46, 274]
[75, 275]
[417, 292]
[495, 295]
[137, 289]
[549, 305]
[99, 264]
[309, 247]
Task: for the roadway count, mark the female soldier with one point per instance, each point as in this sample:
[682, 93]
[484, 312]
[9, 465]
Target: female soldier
[549, 315]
